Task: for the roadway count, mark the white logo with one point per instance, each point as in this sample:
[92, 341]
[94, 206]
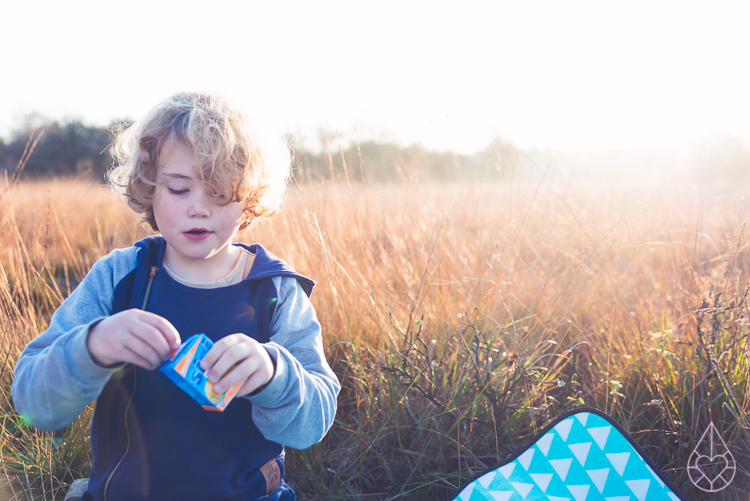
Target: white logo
[711, 466]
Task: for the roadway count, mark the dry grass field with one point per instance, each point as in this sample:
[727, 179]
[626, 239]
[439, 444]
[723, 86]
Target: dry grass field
[459, 318]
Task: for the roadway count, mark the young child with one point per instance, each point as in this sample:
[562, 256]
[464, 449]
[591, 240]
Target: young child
[197, 172]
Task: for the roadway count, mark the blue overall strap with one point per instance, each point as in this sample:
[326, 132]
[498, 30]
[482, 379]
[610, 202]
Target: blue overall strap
[583, 455]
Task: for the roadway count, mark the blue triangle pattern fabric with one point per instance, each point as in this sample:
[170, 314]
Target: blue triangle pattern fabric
[582, 456]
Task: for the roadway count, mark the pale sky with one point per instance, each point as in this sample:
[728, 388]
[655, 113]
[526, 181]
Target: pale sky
[565, 75]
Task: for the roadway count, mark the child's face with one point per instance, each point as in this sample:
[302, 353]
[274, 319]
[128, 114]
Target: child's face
[198, 232]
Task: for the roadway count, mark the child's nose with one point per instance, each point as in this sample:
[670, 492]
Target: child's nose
[199, 205]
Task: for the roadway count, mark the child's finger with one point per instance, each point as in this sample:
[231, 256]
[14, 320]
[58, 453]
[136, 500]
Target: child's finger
[253, 382]
[245, 369]
[231, 357]
[165, 328]
[218, 350]
[132, 357]
[210, 358]
[144, 351]
[152, 337]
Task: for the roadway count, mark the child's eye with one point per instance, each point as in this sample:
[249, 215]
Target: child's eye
[177, 192]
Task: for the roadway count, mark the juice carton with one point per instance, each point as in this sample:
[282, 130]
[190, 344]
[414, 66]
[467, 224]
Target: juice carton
[184, 370]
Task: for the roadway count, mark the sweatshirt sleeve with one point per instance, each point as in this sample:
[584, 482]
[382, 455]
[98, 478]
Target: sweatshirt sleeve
[298, 405]
[55, 377]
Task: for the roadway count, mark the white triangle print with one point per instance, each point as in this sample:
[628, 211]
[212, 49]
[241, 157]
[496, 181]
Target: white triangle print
[557, 498]
[523, 489]
[579, 491]
[673, 496]
[583, 417]
[580, 451]
[525, 458]
[561, 466]
[545, 442]
[501, 495]
[599, 478]
[507, 470]
[655, 475]
[619, 498]
[600, 435]
[487, 479]
[466, 493]
[563, 428]
[542, 480]
[639, 488]
[619, 460]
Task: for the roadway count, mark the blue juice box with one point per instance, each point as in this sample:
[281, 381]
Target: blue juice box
[184, 370]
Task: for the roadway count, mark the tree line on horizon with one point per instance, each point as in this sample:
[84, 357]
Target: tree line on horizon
[71, 148]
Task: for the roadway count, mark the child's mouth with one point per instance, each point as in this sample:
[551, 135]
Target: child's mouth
[196, 234]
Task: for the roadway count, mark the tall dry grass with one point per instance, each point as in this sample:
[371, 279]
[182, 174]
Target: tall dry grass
[459, 318]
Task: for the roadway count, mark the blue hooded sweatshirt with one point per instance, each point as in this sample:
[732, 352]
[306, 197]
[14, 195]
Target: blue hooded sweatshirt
[149, 439]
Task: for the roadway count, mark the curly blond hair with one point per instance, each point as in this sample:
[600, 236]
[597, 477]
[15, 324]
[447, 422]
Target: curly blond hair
[235, 162]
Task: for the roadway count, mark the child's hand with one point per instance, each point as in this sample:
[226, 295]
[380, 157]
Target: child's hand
[133, 336]
[235, 358]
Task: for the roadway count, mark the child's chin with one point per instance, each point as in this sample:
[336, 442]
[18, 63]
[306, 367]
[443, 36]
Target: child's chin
[192, 254]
